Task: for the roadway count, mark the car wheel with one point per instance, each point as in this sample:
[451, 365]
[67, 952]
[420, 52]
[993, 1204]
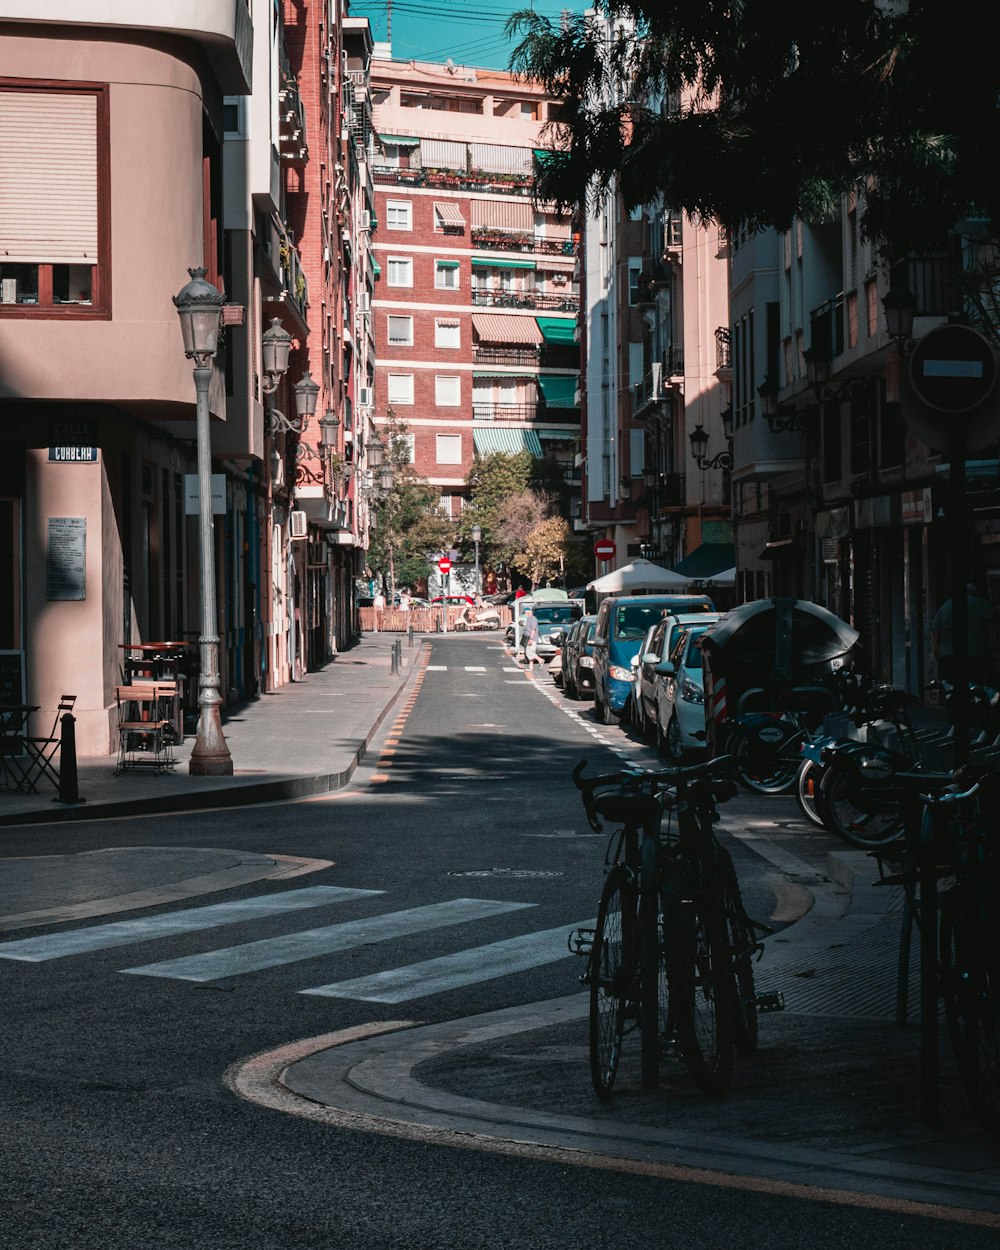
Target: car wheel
[675, 749]
[569, 687]
[607, 716]
[659, 736]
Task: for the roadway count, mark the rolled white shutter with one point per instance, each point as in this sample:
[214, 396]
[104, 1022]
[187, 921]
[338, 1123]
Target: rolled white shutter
[48, 177]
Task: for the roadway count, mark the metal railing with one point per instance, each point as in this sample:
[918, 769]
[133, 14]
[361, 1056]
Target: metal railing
[485, 354]
[525, 299]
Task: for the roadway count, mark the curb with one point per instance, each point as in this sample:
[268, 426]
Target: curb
[238, 794]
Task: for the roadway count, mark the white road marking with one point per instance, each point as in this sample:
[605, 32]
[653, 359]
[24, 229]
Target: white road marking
[436, 668]
[471, 668]
[466, 967]
[311, 943]
[169, 924]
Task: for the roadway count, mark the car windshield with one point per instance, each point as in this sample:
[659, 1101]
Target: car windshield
[632, 620]
[563, 614]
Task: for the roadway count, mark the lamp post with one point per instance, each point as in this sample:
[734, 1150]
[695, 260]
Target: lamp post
[199, 307]
[477, 533]
[699, 446]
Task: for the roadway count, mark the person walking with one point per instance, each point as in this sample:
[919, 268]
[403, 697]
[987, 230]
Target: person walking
[529, 636]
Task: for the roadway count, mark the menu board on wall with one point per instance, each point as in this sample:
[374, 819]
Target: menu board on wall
[66, 558]
[11, 678]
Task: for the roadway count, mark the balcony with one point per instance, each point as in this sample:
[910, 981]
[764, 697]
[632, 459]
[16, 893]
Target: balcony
[487, 354]
[455, 180]
[484, 410]
[293, 289]
[291, 121]
[525, 299]
[723, 355]
[496, 240]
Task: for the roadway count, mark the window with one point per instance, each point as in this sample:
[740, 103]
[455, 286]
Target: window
[54, 202]
[400, 331]
[232, 117]
[449, 448]
[448, 392]
[398, 215]
[447, 334]
[634, 277]
[406, 443]
[400, 388]
[446, 275]
[399, 271]
[444, 504]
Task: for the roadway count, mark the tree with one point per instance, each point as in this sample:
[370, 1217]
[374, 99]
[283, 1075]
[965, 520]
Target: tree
[546, 550]
[496, 483]
[785, 107]
[409, 525]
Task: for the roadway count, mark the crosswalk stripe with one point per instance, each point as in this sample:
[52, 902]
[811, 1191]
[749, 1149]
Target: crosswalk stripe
[169, 924]
[448, 972]
[310, 943]
[472, 668]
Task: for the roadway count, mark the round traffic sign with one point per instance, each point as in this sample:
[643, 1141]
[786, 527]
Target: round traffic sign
[444, 566]
[604, 549]
[953, 369]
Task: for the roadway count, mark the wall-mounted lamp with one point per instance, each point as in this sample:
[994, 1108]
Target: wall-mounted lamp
[275, 346]
[699, 446]
[328, 427]
[818, 376]
[900, 305]
[780, 420]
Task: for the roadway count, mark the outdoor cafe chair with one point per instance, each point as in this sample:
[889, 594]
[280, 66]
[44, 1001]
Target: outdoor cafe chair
[42, 752]
[144, 735]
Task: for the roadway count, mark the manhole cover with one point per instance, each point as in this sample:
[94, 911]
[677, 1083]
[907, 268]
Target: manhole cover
[504, 872]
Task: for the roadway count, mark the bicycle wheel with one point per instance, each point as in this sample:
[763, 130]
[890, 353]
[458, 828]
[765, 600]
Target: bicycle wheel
[764, 772]
[650, 949]
[742, 945]
[865, 816]
[807, 791]
[970, 985]
[612, 978]
[701, 990]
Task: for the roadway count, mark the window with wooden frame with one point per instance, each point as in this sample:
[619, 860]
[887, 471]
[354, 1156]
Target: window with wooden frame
[55, 219]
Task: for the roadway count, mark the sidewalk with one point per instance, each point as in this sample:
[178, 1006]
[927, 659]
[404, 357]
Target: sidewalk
[305, 738]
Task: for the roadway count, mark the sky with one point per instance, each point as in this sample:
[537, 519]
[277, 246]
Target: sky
[470, 32]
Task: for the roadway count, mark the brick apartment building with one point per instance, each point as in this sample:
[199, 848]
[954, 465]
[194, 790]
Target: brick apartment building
[476, 299]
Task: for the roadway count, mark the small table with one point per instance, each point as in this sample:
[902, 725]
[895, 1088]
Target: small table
[13, 731]
[159, 662]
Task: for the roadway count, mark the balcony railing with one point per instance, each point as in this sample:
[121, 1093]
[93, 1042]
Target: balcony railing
[517, 241]
[291, 121]
[483, 410]
[723, 357]
[525, 299]
[827, 326]
[459, 180]
[490, 355]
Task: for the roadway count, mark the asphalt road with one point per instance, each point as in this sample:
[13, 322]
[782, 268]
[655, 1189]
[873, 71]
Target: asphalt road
[116, 1126]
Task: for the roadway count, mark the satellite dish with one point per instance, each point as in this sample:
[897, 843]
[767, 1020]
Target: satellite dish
[450, 65]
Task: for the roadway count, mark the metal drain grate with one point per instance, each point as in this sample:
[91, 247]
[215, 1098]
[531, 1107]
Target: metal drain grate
[518, 873]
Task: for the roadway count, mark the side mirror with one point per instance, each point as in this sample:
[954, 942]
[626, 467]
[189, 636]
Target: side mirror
[649, 658]
[599, 642]
[665, 668]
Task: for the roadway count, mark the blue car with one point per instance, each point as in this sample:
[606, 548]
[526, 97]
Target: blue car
[622, 623]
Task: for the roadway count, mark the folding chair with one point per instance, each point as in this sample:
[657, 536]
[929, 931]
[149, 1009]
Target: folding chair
[144, 740]
[42, 751]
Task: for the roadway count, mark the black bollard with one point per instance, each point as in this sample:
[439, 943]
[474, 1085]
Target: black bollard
[69, 785]
[409, 634]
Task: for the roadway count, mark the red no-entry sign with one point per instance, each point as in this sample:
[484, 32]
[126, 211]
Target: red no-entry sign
[604, 549]
[953, 369]
[444, 566]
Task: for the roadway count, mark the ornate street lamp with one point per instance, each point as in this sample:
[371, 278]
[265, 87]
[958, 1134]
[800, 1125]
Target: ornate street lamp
[199, 307]
[780, 420]
[899, 305]
[699, 446]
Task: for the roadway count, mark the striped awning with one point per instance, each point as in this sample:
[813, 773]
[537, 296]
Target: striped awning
[448, 214]
[506, 441]
[497, 328]
[509, 214]
[489, 263]
[563, 434]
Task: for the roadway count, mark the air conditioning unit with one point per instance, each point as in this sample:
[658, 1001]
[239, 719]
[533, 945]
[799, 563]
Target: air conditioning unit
[364, 302]
[298, 524]
[365, 397]
[364, 220]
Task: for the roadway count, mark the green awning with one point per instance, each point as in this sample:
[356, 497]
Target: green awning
[558, 390]
[377, 268]
[447, 264]
[707, 560]
[508, 442]
[503, 373]
[569, 435]
[542, 155]
[557, 330]
[406, 141]
[505, 264]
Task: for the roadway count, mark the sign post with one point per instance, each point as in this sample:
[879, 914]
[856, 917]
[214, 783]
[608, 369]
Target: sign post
[444, 568]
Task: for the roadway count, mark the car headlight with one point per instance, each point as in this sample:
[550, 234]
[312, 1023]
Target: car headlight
[586, 661]
[690, 692]
[620, 674]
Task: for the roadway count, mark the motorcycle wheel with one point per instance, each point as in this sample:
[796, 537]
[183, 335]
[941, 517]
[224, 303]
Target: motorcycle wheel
[807, 786]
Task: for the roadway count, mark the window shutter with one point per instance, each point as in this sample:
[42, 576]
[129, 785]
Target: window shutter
[48, 177]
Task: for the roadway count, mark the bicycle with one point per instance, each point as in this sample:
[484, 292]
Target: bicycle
[673, 948]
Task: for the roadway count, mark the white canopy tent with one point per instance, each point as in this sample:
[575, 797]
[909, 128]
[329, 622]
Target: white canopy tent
[639, 577]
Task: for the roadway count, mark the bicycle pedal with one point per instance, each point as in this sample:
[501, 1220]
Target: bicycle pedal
[773, 1001]
[580, 941]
